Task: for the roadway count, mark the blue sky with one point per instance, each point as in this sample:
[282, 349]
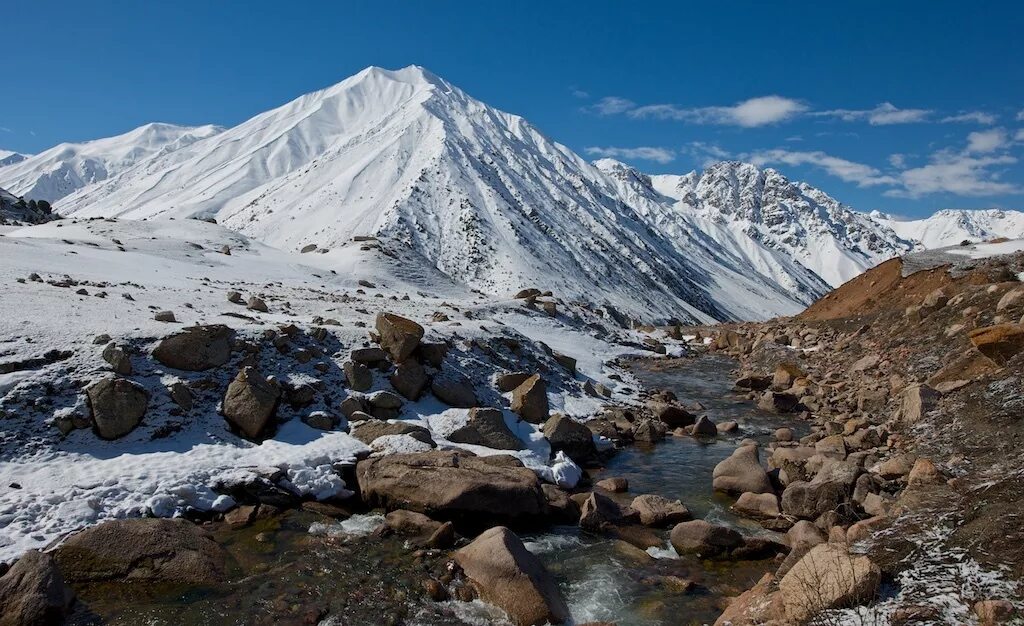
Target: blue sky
[901, 106]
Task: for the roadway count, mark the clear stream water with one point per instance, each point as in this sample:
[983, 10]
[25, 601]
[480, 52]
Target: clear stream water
[298, 570]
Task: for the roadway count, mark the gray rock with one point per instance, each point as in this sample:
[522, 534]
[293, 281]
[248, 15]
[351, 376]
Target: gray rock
[567, 435]
[454, 390]
[359, 377]
[118, 405]
[196, 349]
[487, 427]
[250, 402]
[399, 336]
[118, 359]
[33, 592]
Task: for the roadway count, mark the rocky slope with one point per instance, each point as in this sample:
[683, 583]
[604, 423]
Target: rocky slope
[912, 384]
[17, 211]
[65, 168]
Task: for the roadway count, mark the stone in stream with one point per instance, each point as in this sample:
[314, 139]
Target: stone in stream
[118, 405]
[510, 577]
[196, 349]
[757, 505]
[704, 428]
[673, 415]
[658, 511]
[598, 512]
[453, 484]
[33, 592]
[742, 472]
[574, 438]
[704, 539]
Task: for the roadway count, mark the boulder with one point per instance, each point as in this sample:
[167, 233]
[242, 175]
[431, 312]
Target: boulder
[1011, 299]
[993, 612]
[507, 382]
[598, 512]
[409, 379]
[487, 427]
[118, 359]
[779, 402]
[567, 435]
[369, 356]
[741, 472]
[758, 505]
[250, 402]
[895, 467]
[827, 577]
[672, 415]
[196, 349]
[143, 549]
[454, 389]
[369, 430]
[786, 373]
[359, 377]
[452, 484]
[565, 361]
[614, 484]
[117, 404]
[384, 400]
[164, 316]
[783, 434]
[753, 382]
[924, 472]
[1000, 342]
[704, 427]
[755, 606]
[257, 304]
[507, 575]
[829, 491]
[33, 592]
[915, 401]
[649, 431]
[530, 400]
[410, 523]
[866, 363]
[658, 512]
[399, 336]
[704, 539]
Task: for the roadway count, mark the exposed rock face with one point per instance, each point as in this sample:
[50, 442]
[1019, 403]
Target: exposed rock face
[1000, 342]
[118, 405]
[704, 539]
[530, 400]
[250, 402]
[508, 576]
[658, 511]
[827, 577]
[165, 550]
[196, 349]
[567, 435]
[487, 427]
[742, 472]
[33, 592]
[452, 484]
[399, 336]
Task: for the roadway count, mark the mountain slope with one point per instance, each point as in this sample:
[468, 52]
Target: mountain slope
[739, 200]
[54, 173]
[952, 226]
[481, 194]
[10, 158]
[15, 211]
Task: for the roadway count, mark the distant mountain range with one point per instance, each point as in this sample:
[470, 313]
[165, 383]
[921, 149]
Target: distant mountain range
[491, 202]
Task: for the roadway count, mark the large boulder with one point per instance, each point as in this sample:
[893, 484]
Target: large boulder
[33, 592]
[450, 484]
[399, 336]
[454, 389]
[117, 404]
[786, 373]
[250, 402]
[758, 505]
[510, 577]
[915, 402]
[780, 402]
[1000, 342]
[741, 472]
[196, 349]
[757, 606]
[487, 427]
[830, 490]
[658, 511]
[567, 435]
[673, 415]
[409, 379]
[149, 549]
[704, 539]
[530, 400]
[598, 512]
[358, 375]
[827, 577]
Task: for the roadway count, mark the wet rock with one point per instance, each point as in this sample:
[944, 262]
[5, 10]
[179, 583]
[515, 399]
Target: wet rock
[359, 377]
[704, 539]
[614, 484]
[672, 415]
[755, 606]
[487, 427]
[659, 512]
[753, 383]
[250, 402]
[33, 592]
[146, 549]
[598, 512]
[410, 523]
[399, 336]
[196, 349]
[452, 484]
[649, 431]
[530, 400]
[758, 505]
[508, 576]
[409, 379]
[741, 472]
[118, 405]
[827, 577]
[783, 434]
[704, 427]
[454, 389]
[118, 359]
[567, 435]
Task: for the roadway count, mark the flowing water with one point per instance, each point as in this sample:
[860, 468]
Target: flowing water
[296, 569]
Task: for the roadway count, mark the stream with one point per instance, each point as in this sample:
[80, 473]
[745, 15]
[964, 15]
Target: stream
[295, 569]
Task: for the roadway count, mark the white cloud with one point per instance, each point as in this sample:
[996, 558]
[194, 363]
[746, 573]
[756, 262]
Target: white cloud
[610, 105]
[882, 115]
[957, 173]
[579, 93]
[644, 153]
[984, 141]
[1019, 136]
[1020, 115]
[750, 113]
[977, 117]
[898, 160]
[850, 171]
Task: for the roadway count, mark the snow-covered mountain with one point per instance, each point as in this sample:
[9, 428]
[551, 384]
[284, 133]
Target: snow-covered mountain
[739, 201]
[479, 193]
[54, 173]
[952, 226]
[8, 157]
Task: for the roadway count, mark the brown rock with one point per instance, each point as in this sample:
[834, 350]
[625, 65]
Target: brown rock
[704, 539]
[567, 435]
[250, 402]
[827, 577]
[1000, 342]
[614, 484]
[454, 389]
[742, 472]
[399, 336]
[33, 592]
[118, 405]
[359, 377]
[487, 427]
[409, 379]
[508, 382]
[196, 349]
[658, 512]
[758, 505]
[369, 430]
[530, 400]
